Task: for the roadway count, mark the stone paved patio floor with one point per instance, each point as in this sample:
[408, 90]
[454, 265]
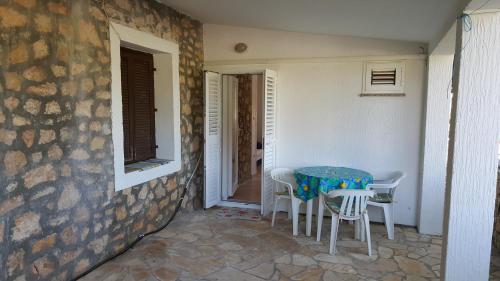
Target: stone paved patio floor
[495, 265]
[200, 246]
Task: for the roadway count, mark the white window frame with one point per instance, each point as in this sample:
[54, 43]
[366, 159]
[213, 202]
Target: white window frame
[398, 88]
[167, 101]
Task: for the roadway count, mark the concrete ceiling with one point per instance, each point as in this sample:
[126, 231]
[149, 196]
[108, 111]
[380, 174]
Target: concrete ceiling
[446, 44]
[408, 20]
[485, 5]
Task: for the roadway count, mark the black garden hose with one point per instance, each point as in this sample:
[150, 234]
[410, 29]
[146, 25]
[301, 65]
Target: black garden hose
[140, 237]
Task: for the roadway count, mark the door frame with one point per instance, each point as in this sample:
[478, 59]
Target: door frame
[235, 137]
[235, 70]
[229, 109]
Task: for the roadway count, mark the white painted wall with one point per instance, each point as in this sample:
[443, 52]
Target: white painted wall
[436, 130]
[321, 118]
[472, 160]
[219, 41]
[435, 149]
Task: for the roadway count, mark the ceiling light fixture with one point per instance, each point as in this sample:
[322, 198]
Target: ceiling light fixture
[240, 47]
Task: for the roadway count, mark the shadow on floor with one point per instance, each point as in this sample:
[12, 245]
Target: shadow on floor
[200, 246]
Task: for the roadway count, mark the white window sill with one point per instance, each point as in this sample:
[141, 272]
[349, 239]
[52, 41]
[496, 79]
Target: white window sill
[140, 176]
[142, 166]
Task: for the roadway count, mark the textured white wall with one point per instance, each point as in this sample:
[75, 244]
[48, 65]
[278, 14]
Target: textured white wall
[321, 118]
[435, 150]
[323, 121]
[473, 162]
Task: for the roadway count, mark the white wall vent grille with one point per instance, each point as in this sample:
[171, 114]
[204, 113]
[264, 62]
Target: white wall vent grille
[383, 77]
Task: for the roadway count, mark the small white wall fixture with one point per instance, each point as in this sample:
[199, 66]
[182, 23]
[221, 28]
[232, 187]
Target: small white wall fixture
[167, 102]
[472, 157]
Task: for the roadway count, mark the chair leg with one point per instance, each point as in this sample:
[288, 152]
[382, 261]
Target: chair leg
[333, 234]
[389, 220]
[309, 217]
[295, 211]
[366, 220]
[274, 211]
[362, 229]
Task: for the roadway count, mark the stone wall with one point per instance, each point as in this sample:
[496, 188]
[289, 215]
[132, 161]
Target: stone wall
[245, 125]
[496, 226]
[59, 213]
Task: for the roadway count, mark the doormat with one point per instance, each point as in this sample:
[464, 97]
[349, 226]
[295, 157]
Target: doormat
[237, 213]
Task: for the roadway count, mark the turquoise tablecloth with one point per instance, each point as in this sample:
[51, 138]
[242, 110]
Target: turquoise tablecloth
[312, 180]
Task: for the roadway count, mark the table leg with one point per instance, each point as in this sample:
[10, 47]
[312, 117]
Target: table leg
[357, 235]
[320, 216]
[309, 216]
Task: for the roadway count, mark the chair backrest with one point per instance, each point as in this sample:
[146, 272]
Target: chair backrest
[283, 178]
[389, 184]
[396, 177]
[353, 201]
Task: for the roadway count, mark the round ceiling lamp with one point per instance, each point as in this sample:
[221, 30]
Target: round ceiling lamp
[240, 47]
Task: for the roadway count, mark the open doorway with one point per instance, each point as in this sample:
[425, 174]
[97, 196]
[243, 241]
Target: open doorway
[221, 130]
[243, 100]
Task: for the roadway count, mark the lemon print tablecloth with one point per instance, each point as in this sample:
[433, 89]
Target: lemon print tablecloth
[312, 180]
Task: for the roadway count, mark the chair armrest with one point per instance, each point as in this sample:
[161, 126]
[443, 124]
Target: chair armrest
[286, 184]
[380, 185]
[382, 181]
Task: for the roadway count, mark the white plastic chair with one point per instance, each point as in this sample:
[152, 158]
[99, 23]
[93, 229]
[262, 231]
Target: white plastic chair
[348, 204]
[284, 188]
[384, 198]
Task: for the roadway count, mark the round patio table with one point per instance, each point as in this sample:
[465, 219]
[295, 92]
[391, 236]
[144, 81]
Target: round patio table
[312, 182]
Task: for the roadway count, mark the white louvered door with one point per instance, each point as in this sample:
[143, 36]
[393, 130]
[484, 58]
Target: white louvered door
[269, 155]
[213, 138]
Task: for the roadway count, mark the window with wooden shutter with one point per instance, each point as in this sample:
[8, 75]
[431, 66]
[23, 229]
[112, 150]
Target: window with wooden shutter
[138, 105]
[143, 96]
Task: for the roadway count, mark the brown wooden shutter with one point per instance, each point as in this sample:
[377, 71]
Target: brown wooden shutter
[138, 105]
[127, 144]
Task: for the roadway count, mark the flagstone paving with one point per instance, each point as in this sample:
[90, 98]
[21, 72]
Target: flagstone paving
[200, 246]
[495, 265]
